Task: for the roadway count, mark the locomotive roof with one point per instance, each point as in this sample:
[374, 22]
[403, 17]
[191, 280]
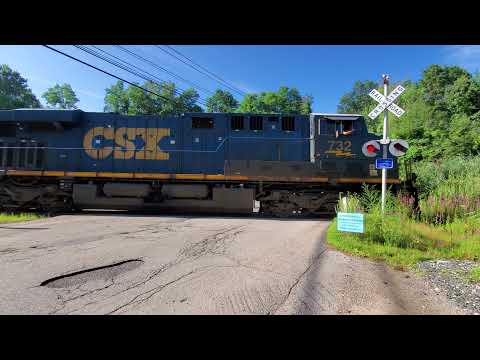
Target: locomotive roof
[40, 115]
[339, 116]
[72, 116]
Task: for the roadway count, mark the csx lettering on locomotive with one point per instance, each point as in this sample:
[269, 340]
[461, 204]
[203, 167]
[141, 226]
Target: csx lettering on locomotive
[125, 143]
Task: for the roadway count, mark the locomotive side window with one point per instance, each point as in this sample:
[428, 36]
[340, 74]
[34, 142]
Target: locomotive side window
[346, 127]
[202, 123]
[326, 127]
[256, 123]
[288, 123]
[237, 122]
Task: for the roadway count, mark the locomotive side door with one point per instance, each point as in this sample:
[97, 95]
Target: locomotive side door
[204, 144]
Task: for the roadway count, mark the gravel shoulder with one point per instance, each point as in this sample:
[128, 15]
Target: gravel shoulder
[449, 278]
[342, 284]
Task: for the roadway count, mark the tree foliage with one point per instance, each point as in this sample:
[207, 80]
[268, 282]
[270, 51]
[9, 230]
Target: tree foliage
[286, 100]
[355, 101]
[442, 115]
[61, 97]
[14, 91]
[132, 100]
[221, 101]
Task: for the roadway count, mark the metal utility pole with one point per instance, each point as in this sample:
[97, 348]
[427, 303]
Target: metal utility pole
[386, 80]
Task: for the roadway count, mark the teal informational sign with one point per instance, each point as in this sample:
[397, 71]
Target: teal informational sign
[350, 222]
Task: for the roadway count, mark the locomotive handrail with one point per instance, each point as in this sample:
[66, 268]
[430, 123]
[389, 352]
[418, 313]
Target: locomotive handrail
[165, 150]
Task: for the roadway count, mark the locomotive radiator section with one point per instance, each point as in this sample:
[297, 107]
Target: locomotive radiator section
[170, 197]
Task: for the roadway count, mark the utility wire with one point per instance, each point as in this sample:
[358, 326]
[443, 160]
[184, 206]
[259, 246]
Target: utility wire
[126, 68]
[106, 72]
[163, 69]
[205, 72]
[136, 67]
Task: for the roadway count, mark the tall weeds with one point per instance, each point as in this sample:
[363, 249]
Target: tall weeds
[449, 190]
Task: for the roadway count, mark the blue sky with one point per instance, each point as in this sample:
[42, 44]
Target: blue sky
[325, 72]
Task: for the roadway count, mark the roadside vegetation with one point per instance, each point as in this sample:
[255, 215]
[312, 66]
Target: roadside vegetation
[448, 227]
[441, 125]
[474, 275]
[10, 218]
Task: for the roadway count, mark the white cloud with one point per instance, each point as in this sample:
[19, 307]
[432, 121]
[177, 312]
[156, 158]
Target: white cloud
[467, 56]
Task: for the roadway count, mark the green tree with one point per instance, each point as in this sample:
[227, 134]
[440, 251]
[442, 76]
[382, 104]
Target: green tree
[436, 81]
[136, 101]
[442, 117]
[14, 92]
[464, 136]
[463, 97]
[284, 101]
[357, 100]
[116, 99]
[61, 96]
[221, 101]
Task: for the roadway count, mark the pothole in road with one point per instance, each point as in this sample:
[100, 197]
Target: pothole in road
[98, 273]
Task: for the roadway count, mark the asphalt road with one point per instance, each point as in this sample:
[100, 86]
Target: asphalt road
[116, 263]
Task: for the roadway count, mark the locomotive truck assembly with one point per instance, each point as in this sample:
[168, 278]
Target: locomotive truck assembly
[66, 160]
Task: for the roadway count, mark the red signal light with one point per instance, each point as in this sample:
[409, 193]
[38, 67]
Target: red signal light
[371, 149]
[400, 147]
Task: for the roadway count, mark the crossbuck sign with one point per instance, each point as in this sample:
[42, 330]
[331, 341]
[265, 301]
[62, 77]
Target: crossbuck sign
[386, 103]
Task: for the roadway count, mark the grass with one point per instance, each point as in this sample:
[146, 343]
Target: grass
[10, 218]
[450, 189]
[406, 242]
[400, 240]
[474, 275]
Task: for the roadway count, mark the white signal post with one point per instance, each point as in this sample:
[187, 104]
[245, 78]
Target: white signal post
[386, 104]
[386, 79]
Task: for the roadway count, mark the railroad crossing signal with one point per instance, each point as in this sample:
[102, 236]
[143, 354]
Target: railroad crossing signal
[398, 147]
[371, 148]
[386, 103]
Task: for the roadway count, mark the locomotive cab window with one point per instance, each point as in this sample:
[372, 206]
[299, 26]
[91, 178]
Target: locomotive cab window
[326, 127]
[237, 123]
[288, 123]
[202, 123]
[256, 123]
[346, 127]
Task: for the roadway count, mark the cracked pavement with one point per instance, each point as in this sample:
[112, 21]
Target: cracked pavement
[195, 265]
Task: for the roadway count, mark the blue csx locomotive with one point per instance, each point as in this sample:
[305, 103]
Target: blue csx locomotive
[61, 160]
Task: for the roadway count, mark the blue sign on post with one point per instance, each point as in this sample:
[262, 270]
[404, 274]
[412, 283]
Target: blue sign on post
[384, 163]
[350, 222]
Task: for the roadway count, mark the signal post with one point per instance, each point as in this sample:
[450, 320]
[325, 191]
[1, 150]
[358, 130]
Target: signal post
[397, 147]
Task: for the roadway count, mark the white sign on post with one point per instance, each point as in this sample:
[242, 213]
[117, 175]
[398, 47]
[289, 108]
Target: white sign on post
[386, 103]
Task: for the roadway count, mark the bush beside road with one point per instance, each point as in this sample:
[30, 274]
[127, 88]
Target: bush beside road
[10, 218]
[442, 242]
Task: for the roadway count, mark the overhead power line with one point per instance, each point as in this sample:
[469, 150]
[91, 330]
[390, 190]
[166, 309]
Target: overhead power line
[124, 67]
[205, 71]
[106, 72]
[126, 62]
[195, 86]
